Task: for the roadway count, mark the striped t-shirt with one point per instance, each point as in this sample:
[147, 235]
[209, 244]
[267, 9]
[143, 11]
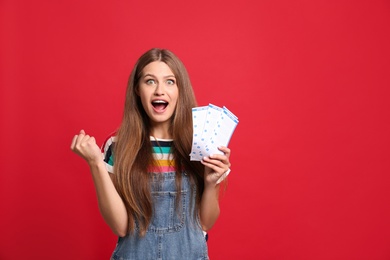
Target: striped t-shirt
[162, 154]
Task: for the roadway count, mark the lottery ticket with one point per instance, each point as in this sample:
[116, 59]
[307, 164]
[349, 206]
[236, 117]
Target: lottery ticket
[212, 127]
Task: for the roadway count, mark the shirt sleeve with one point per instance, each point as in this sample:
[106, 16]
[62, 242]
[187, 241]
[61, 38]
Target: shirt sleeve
[107, 152]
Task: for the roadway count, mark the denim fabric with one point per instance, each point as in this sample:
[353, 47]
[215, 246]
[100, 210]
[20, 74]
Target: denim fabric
[173, 233]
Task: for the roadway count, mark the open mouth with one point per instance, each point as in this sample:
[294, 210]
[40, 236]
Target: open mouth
[159, 105]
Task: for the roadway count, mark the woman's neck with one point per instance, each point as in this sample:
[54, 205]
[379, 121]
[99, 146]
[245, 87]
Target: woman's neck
[161, 131]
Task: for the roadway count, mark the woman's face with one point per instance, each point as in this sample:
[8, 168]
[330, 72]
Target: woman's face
[158, 92]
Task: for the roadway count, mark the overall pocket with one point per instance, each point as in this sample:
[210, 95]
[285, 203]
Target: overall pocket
[167, 216]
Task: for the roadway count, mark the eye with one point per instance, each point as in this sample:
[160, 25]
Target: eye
[150, 81]
[171, 82]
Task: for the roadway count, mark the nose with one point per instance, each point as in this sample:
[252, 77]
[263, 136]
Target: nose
[159, 90]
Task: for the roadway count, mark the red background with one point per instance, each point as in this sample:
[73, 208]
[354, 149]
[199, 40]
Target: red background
[309, 81]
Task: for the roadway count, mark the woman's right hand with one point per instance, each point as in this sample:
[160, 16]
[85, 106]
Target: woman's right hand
[86, 147]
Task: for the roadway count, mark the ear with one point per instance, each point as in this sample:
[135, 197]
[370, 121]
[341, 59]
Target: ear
[136, 90]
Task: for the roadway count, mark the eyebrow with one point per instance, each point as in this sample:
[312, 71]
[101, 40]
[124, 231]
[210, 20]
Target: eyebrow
[151, 75]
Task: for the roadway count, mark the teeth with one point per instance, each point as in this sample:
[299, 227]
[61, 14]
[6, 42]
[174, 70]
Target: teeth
[159, 101]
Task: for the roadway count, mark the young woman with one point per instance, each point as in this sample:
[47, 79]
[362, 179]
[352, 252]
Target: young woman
[155, 199]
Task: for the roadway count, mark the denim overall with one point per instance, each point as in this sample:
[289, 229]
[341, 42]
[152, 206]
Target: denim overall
[173, 233]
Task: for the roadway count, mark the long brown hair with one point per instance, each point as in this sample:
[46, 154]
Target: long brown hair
[133, 151]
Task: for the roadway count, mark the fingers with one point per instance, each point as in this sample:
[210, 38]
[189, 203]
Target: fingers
[220, 158]
[84, 139]
[85, 146]
[218, 163]
[73, 144]
[224, 158]
[214, 169]
[225, 150]
[76, 140]
[81, 140]
[215, 161]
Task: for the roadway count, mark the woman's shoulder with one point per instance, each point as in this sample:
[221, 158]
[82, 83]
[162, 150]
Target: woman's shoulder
[107, 151]
[109, 142]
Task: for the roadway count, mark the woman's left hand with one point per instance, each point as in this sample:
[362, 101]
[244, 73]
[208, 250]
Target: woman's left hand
[216, 165]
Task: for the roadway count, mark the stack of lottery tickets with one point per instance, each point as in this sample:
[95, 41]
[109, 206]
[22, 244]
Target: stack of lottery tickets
[212, 127]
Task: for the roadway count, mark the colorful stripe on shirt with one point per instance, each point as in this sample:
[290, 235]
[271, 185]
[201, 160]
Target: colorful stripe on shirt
[161, 149]
[163, 158]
